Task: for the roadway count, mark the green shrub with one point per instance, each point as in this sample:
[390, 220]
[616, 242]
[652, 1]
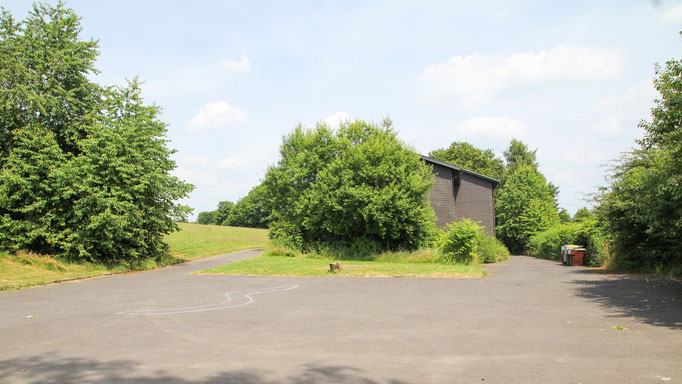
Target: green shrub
[459, 242]
[490, 249]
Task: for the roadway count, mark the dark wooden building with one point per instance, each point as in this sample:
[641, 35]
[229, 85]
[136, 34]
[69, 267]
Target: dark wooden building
[458, 193]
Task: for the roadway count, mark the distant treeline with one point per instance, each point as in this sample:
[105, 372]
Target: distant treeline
[251, 211]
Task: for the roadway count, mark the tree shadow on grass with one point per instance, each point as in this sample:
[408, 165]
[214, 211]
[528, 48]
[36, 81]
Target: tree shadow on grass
[52, 369]
[654, 300]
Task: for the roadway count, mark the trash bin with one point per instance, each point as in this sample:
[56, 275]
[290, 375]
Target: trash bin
[572, 255]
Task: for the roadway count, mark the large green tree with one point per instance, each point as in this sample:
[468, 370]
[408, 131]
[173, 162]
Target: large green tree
[465, 155]
[360, 183]
[641, 208]
[85, 169]
[518, 154]
[524, 206]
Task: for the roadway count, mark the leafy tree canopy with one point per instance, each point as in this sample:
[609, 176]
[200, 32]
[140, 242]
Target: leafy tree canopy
[85, 170]
[641, 207]
[206, 217]
[524, 206]
[467, 156]
[564, 216]
[360, 183]
[518, 154]
[253, 210]
[582, 214]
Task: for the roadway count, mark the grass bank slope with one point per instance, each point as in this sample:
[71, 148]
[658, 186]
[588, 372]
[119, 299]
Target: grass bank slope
[23, 270]
[193, 241]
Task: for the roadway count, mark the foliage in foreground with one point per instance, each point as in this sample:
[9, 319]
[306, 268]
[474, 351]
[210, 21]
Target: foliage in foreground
[85, 170]
[641, 208]
[547, 244]
[357, 187]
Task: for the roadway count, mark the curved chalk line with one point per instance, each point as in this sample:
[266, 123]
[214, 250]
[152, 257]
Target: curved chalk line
[210, 307]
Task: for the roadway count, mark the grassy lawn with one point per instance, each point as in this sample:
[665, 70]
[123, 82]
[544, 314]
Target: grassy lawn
[196, 241]
[193, 241]
[24, 270]
[301, 265]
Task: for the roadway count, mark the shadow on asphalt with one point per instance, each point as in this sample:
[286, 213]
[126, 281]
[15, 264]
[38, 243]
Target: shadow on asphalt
[53, 369]
[654, 300]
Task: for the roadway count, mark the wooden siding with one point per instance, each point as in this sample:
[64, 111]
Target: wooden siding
[475, 201]
[441, 197]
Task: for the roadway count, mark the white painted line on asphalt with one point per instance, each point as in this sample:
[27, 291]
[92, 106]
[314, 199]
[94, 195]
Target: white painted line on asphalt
[225, 304]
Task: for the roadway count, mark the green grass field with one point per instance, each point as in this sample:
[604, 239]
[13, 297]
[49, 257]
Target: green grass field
[301, 265]
[196, 241]
[193, 241]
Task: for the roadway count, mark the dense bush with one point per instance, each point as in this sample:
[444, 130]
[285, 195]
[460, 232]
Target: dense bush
[466, 242]
[490, 249]
[547, 244]
[641, 208]
[459, 242]
[358, 187]
[84, 169]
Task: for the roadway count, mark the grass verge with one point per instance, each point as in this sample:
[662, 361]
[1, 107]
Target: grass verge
[27, 269]
[282, 262]
[193, 241]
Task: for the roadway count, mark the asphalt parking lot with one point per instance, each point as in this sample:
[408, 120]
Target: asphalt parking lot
[530, 321]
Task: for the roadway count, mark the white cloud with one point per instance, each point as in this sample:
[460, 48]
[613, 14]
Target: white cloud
[334, 121]
[477, 76]
[194, 161]
[233, 163]
[491, 126]
[619, 113]
[608, 125]
[241, 65]
[216, 115]
[672, 14]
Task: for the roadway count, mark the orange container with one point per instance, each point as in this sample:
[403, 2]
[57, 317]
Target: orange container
[572, 255]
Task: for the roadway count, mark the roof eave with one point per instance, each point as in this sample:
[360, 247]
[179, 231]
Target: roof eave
[447, 165]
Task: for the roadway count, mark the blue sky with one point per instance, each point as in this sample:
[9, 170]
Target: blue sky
[571, 79]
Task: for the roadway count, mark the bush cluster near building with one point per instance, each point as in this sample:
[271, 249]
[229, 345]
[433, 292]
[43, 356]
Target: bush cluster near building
[84, 169]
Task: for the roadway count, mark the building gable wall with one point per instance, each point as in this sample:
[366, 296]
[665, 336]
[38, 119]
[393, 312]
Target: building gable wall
[441, 197]
[474, 200]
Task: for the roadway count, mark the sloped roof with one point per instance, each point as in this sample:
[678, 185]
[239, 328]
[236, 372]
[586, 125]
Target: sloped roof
[456, 168]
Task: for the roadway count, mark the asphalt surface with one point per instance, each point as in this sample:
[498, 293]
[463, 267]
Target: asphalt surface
[530, 321]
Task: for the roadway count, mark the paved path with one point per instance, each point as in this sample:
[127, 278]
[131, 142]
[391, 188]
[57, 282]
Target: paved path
[531, 321]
